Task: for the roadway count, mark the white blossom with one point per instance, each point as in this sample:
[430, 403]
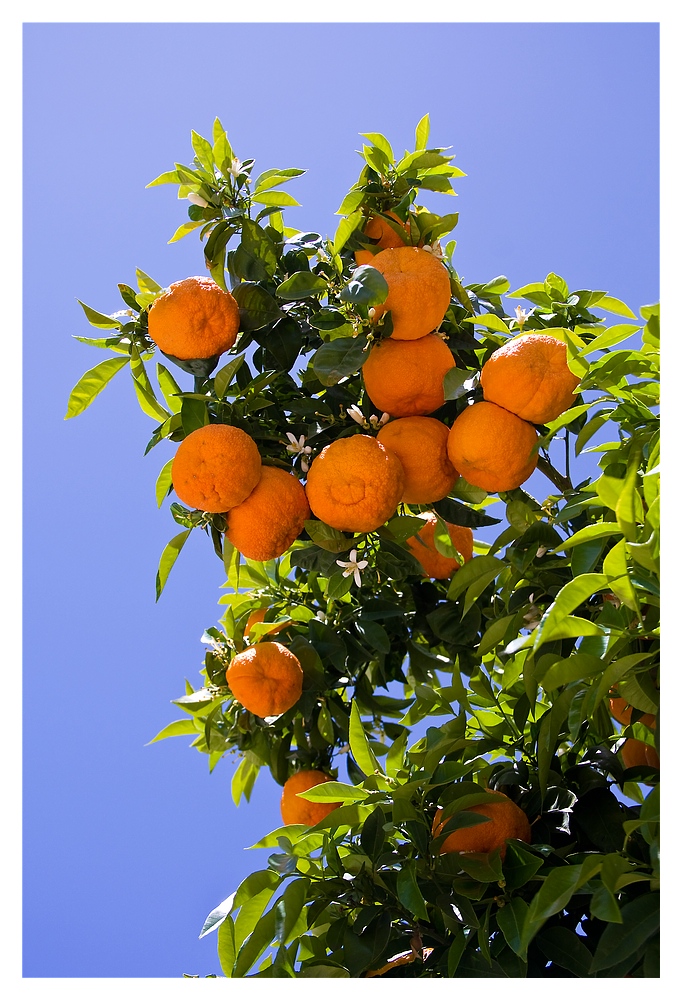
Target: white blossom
[522, 315]
[235, 167]
[377, 422]
[353, 567]
[297, 446]
[196, 199]
[434, 248]
[355, 413]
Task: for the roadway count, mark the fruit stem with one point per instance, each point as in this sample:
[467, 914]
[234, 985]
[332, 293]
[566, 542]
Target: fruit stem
[562, 482]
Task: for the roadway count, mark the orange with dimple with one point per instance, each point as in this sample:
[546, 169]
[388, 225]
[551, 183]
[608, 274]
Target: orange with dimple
[266, 679]
[355, 484]
[421, 445]
[216, 467]
[194, 319]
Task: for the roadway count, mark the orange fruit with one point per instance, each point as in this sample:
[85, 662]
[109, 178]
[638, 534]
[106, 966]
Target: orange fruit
[423, 548]
[216, 467]
[355, 484]
[266, 679]
[265, 524]
[507, 821]
[636, 753]
[421, 445]
[195, 318]
[622, 712]
[418, 291]
[492, 448]
[529, 376]
[295, 810]
[405, 377]
[258, 616]
[377, 228]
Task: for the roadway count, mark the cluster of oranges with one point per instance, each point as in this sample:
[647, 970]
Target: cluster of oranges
[634, 753]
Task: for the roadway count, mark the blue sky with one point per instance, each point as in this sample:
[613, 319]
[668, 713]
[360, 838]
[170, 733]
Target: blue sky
[128, 847]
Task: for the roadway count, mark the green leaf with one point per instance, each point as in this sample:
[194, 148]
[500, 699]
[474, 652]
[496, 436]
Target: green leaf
[576, 667]
[490, 321]
[359, 744]
[91, 384]
[262, 935]
[614, 305]
[280, 199]
[184, 230]
[563, 947]
[510, 920]
[224, 376]
[457, 382]
[421, 135]
[641, 919]
[366, 287]
[555, 892]
[613, 335]
[98, 319]
[592, 531]
[169, 387]
[381, 142]
[182, 727]
[477, 568]
[334, 791]
[226, 946]
[147, 284]
[339, 358]
[604, 906]
[168, 557]
[345, 229]
[217, 915]
[550, 727]
[204, 152]
[409, 893]
[164, 482]
[169, 177]
[574, 593]
[616, 571]
[257, 307]
[301, 285]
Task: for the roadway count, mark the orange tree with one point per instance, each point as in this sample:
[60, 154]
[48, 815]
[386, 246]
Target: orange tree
[513, 656]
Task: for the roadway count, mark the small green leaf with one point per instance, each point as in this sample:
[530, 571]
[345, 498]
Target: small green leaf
[359, 744]
[164, 482]
[168, 557]
[410, 894]
[92, 383]
[98, 319]
[366, 287]
[182, 727]
[339, 358]
[421, 134]
[301, 285]
[614, 305]
[280, 199]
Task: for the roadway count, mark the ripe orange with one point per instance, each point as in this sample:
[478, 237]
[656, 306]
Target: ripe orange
[265, 524]
[529, 376]
[622, 712]
[418, 291]
[421, 445]
[507, 821]
[355, 484]
[423, 548]
[405, 377]
[492, 448]
[636, 753]
[195, 318]
[266, 679]
[377, 228]
[216, 467]
[295, 810]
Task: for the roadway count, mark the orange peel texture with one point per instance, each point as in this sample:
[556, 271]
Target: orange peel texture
[355, 484]
[423, 548]
[194, 319]
[266, 679]
[265, 524]
[295, 810]
[216, 467]
[506, 821]
[421, 445]
[404, 378]
[529, 376]
[418, 291]
[492, 448]
[636, 753]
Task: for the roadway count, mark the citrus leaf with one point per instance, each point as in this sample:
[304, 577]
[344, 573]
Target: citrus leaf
[91, 384]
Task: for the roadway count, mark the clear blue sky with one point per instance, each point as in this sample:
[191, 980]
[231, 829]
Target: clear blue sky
[127, 847]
